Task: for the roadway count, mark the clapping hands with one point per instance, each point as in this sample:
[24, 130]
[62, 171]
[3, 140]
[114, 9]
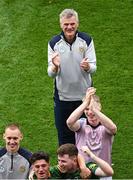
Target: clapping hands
[56, 59]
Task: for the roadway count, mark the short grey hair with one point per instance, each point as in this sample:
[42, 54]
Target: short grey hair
[68, 13]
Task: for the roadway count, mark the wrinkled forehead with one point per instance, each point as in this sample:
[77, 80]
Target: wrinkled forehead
[66, 19]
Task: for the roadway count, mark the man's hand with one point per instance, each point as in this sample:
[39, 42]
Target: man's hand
[85, 64]
[56, 59]
[85, 173]
[31, 174]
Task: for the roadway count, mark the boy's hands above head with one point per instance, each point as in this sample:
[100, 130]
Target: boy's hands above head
[89, 93]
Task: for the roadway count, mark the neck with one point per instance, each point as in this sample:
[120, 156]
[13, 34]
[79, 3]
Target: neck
[10, 151]
[69, 39]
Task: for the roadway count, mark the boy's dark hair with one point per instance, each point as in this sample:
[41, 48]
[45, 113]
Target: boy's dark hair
[67, 148]
[38, 156]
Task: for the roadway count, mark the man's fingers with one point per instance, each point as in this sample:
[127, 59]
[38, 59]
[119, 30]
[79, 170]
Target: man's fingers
[54, 55]
[85, 59]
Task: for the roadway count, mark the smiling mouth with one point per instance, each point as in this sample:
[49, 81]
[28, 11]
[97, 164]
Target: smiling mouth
[70, 30]
[93, 120]
[12, 146]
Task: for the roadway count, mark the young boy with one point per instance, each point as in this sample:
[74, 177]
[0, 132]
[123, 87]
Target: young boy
[96, 131]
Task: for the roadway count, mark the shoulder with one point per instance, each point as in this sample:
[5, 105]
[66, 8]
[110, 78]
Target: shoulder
[54, 40]
[54, 169]
[2, 151]
[54, 172]
[93, 167]
[86, 37]
[83, 122]
[25, 153]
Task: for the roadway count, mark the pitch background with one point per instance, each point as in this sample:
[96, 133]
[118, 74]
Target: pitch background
[26, 91]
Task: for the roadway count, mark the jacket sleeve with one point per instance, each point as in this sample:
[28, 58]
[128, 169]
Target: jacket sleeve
[91, 55]
[50, 64]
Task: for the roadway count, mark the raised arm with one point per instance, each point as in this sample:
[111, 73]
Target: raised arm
[104, 168]
[72, 121]
[104, 120]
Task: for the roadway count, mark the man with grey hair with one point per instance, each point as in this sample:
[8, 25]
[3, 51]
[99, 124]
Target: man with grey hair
[71, 62]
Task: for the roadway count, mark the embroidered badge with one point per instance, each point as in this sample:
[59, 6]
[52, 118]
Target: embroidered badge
[81, 49]
[61, 49]
[22, 169]
[2, 169]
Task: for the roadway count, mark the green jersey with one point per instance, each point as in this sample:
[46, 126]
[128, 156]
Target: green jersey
[56, 174]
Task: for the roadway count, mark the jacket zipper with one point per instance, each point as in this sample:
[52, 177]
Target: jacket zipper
[11, 162]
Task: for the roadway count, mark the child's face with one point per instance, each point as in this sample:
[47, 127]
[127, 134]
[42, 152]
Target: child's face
[92, 119]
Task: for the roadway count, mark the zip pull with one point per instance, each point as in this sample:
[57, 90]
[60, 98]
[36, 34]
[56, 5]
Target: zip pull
[11, 162]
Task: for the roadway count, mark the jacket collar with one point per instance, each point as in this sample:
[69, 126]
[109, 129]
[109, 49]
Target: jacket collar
[63, 36]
